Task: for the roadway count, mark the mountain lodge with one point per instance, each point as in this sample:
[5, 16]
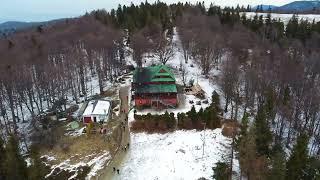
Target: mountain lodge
[154, 86]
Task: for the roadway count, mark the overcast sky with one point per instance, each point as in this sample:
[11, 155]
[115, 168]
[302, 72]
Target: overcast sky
[43, 10]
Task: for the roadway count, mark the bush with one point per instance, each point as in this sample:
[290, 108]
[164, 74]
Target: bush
[190, 120]
[137, 125]
[154, 123]
[151, 124]
[187, 124]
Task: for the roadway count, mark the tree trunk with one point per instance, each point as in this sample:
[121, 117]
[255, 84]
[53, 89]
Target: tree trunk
[82, 80]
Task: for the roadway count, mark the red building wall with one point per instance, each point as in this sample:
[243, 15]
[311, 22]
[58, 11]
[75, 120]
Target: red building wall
[146, 101]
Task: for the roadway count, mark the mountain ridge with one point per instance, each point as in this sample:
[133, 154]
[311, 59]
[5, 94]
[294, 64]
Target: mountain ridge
[305, 6]
[10, 27]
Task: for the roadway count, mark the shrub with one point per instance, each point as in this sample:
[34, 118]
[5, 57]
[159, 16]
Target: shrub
[150, 125]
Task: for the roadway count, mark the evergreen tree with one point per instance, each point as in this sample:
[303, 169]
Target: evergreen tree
[216, 102]
[248, 8]
[313, 170]
[181, 119]
[255, 23]
[260, 22]
[268, 23]
[221, 171]
[167, 118]
[201, 114]
[292, 27]
[212, 119]
[16, 168]
[247, 153]
[172, 123]
[243, 129]
[243, 19]
[299, 159]
[2, 159]
[192, 114]
[37, 169]
[211, 10]
[263, 133]
[278, 166]
[270, 103]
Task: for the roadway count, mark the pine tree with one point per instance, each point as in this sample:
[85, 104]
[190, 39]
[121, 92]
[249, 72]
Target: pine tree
[181, 119]
[248, 8]
[292, 27]
[313, 170]
[298, 160]
[211, 118]
[16, 168]
[36, 171]
[278, 166]
[2, 159]
[270, 102]
[216, 102]
[247, 153]
[167, 119]
[263, 133]
[221, 171]
[211, 10]
[243, 129]
[201, 114]
[172, 123]
[243, 19]
[192, 114]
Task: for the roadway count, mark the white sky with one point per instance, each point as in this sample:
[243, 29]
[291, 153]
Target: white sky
[42, 10]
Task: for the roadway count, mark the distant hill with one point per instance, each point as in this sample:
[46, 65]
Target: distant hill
[16, 25]
[11, 27]
[299, 6]
[312, 6]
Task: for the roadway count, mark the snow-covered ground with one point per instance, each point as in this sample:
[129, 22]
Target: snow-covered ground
[175, 156]
[286, 17]
[95, 161]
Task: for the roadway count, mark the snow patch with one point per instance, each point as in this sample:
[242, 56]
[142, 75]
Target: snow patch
[176, 155]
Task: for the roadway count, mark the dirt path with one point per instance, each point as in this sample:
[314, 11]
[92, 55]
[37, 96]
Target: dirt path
[120, 155]
[123, 93]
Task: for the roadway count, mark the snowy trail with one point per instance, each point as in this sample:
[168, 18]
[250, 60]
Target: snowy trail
[120, 154]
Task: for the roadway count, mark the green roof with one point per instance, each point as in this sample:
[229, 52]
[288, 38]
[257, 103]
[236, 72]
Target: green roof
[162, 80]
[159, 73]
[157, 88]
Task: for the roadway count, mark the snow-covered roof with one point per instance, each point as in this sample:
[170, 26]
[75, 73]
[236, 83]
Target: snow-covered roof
[97, 107]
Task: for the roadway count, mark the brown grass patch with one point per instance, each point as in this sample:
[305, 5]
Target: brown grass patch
[76, 148]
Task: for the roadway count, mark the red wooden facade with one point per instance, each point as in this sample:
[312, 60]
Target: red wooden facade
[156, 100]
